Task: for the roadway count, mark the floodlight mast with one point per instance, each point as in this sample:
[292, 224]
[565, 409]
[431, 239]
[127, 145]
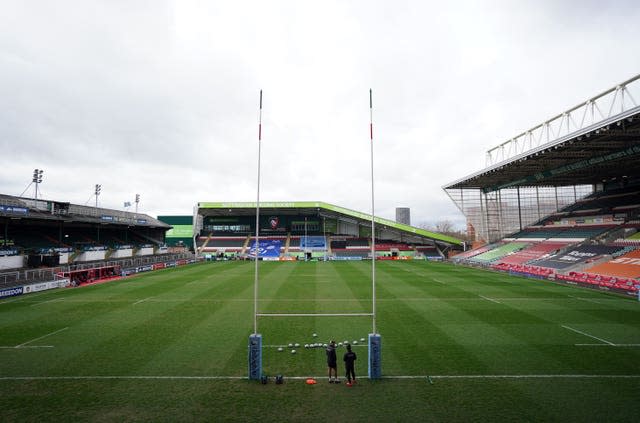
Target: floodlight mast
[373, 224]
[257, 243]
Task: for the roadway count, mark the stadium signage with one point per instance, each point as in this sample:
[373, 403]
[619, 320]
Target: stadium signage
[627, 260]
[11, 292]
[13, 209]
[577, 256]
[141, 269]
[45, 286]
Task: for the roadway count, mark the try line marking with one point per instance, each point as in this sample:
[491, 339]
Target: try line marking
[584, 299]
[24, 344]
[489, 299]
[590, 336]
[391, 377]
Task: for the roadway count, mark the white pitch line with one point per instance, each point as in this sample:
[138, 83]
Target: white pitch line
[556, 376]
[584, 299]
[43, 336]
[607, 345]
[590, 336]
[26, 346]
[141, 301]
[24, 297]
[312, 314]
[490, 299]
[399, 377]
[439, 281]
[49, 301]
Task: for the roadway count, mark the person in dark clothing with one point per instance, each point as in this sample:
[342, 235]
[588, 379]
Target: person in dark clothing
[332, 362]
[349, 362]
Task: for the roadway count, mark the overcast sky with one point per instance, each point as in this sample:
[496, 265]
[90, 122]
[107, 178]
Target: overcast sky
[161, 98]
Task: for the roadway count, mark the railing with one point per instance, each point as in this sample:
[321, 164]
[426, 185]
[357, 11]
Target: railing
[14, 278]
[590, 115]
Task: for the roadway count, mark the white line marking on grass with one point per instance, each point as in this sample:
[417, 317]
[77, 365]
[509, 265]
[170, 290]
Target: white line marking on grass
[439, 281]
[26, 346]
[490, 299]
[40, 337]
[123, 377]
[607, 345]
[516, 377]
[141, 301]
[584, 299]
[24, 298]
[49, 301]
[151, 377]
[590, 336]
[311, 314]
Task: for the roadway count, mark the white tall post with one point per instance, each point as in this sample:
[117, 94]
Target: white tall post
[373, 224]
[257, 244]
[305, 239]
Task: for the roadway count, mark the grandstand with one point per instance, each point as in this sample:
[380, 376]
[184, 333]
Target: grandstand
[43, 239]
[561, 201]
[309, 230]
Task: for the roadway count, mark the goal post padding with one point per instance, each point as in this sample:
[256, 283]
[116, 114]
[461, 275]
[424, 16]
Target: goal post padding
[375, 356]
[255, 356]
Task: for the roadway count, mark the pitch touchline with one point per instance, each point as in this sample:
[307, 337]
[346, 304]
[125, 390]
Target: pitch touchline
[590, 336]
[24, 344]
[24, 297]
[490, 299]
[231, 300]
[391, 377]
[311, 314]
[584, 299]
[43, 336]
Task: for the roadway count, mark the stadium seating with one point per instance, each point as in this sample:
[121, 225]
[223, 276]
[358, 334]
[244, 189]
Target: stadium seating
[626, 266]
[533, 252]
[222, 244]
[471, 253]
[499, 252]
[428, 250]
[389, 246]
[578, 255]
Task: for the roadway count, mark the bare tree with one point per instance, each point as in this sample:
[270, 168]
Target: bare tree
[444, 227]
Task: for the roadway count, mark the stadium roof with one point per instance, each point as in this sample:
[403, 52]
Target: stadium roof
[313, 208]
[584, 145]
[16, 208]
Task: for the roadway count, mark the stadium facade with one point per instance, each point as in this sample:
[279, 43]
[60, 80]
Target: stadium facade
[309, 229]
[46, 243]
[590, 148]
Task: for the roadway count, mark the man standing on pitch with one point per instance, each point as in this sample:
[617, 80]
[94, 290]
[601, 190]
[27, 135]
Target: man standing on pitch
[332, 362]
[349, 362]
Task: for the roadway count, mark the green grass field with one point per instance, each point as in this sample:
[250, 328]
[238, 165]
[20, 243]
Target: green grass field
[459, 344]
